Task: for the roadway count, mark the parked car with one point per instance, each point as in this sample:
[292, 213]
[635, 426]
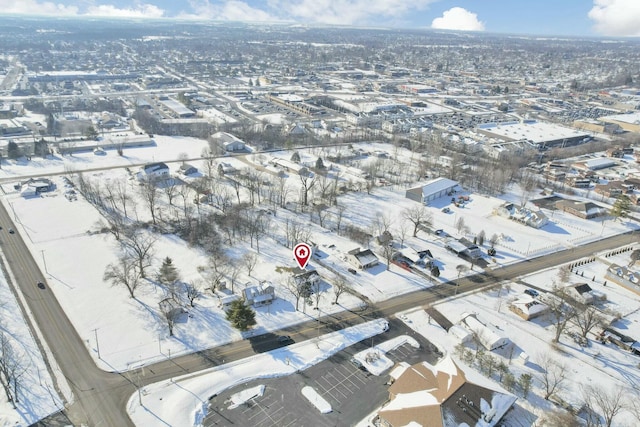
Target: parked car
[285, 339]
[446, 210]
[531, 292]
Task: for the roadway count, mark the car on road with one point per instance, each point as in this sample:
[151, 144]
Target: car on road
[531, 292]
[285, 339]
[11, 231]
[41, 285]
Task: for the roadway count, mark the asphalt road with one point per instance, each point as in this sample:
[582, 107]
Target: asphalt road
[100, 397]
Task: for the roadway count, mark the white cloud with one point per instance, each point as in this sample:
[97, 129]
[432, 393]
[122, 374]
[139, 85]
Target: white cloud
[230, 10]
[458, 18]
[347, 12]
[139, 11]
[616, 17]
[29, 7]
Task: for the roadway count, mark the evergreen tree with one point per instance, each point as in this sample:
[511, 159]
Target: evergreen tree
[91, 133]
[241, 316]
[319, 164]
[295, 157]
[621, 207]
[168, 273]
[13, 151]
[40, 148]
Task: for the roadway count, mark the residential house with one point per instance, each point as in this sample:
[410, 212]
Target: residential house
[259, 295]
[580, 292]
[153, 171]
[362, 258]
[528, 308]
[226, 169]
[442, 395]
[187, 169]
[585, 210]
[488, 337]
[535, 219]
[306, 281]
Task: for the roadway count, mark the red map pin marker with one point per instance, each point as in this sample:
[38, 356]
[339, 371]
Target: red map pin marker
[302, 253]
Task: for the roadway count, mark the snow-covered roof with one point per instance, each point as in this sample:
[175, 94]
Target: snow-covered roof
[440, 395]
[437, 185]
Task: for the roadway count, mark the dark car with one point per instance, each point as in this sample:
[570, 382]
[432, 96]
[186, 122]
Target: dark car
[531, 292]
[41, 285]
[11, 231]
[285, 339]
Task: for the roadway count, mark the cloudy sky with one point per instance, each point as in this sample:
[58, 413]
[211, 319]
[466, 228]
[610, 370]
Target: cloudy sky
[543, 17]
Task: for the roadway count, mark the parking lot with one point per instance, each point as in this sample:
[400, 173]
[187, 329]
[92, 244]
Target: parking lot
[352, 392]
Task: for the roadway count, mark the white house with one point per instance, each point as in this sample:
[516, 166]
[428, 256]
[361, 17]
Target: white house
[259, 295]
[528, 308]
[362, 258]
[154, 171]
[488, 337]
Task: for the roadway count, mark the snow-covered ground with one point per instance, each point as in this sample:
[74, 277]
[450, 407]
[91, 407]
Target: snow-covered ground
[182, 401]
[61, 232]
[604, 366]
[37, 397]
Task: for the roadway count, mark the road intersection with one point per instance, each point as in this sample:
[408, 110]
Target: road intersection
[100, 398]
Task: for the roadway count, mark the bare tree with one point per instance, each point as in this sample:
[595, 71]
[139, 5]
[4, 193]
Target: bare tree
[171, 311]
[217, 269]
[528, 183]
[11, 368]
[417, 215]
[123, 273]
[121, 194]
[460, 225]
[307, 182]
[192, 292]
[587, 319]
[296, 232]
[250, 260]
[139, 244]
[560, 311]
[296, 291]
[149, 192]
[553, 375]
[170, 188]
[608, 402]
[388, 252]
[340, 286]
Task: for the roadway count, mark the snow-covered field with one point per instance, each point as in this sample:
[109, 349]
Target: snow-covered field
[61, 232]
[37, 397]
[189, 394]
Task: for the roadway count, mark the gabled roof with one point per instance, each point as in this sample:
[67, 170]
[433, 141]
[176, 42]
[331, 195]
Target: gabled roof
[441, 396]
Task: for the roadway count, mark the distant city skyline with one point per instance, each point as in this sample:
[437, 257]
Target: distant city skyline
[616, 18]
